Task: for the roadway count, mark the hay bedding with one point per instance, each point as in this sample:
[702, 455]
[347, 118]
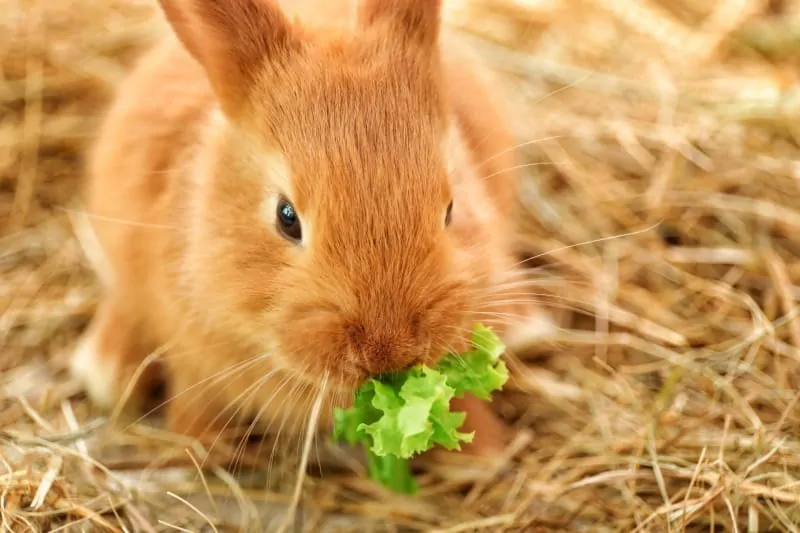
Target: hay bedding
[664, 214]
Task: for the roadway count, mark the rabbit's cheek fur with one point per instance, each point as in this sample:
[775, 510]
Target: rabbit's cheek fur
[234, 255]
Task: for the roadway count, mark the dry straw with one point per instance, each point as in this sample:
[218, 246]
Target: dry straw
[661, 162]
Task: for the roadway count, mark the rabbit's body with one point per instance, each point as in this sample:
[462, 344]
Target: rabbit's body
[367, 141]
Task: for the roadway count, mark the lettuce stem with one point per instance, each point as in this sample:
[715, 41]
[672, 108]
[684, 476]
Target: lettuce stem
[392, 472]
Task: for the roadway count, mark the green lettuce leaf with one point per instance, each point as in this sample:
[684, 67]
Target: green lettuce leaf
[479, 371]
[399, 416]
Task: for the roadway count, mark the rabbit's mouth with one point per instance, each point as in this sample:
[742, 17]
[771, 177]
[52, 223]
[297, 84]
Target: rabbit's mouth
[351, 377]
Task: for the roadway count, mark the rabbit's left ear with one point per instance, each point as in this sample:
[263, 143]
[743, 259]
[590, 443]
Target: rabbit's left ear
[232, 39]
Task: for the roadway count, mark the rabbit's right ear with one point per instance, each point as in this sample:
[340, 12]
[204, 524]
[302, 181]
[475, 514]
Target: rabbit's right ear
[417, 21]
[233, 40]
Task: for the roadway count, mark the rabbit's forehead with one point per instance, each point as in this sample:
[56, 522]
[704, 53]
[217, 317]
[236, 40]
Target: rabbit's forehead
[316, 96]
[381, 119]
[278, 171]
[411, 171]
[314, 186]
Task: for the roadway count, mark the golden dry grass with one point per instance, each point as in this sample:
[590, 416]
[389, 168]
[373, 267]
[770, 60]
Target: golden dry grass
[662, 169]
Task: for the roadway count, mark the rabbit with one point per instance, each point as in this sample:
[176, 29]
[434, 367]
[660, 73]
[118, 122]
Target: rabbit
[288, 200]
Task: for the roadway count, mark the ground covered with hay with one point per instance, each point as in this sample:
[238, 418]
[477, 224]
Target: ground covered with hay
[663, 193]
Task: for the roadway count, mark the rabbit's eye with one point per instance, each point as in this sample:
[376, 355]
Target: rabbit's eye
[448, 215]
[288, 221]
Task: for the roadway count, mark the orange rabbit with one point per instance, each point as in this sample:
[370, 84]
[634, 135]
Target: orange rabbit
[284, 206]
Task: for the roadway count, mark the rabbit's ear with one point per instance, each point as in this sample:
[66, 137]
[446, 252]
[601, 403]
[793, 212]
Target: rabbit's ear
[415, 21]
[232, 39]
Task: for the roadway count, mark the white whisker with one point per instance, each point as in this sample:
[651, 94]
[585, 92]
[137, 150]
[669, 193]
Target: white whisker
[301, 474]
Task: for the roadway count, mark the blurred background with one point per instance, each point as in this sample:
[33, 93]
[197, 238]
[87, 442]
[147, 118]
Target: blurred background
[660, 143]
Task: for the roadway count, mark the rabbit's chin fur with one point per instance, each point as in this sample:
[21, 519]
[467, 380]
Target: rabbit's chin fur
[216, 313]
